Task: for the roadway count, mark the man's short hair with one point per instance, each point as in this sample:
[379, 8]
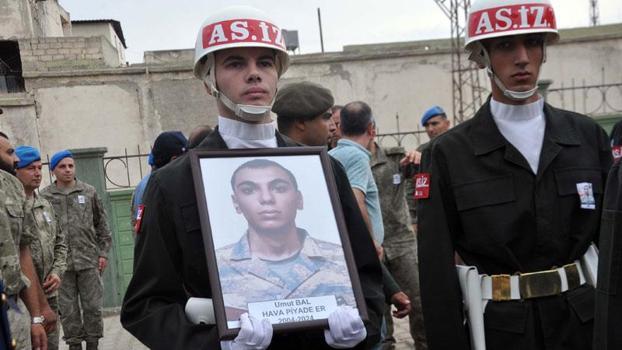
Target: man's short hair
[198, 134]
[261, 164]
[355, 118]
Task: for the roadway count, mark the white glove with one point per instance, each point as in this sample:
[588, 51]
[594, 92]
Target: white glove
[254, 335]
[345, 328]
[200, 311]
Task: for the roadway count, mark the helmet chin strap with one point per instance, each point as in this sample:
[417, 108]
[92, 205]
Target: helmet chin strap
[511, 94]
[249, 113]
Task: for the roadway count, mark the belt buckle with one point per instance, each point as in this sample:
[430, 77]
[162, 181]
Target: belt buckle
[501, 290]
[540, 284]
[572, 275]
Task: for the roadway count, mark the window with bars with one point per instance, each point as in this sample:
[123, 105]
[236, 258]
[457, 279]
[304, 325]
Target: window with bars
[11, 79]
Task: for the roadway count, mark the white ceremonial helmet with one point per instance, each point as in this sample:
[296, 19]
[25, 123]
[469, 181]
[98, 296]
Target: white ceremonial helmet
[497, 18]
[232, 27]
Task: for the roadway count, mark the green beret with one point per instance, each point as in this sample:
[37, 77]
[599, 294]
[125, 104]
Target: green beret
[302, 101]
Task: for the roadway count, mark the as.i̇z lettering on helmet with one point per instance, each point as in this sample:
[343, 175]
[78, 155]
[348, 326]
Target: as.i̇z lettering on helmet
[489, 19]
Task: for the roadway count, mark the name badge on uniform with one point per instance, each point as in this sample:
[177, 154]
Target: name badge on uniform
[422, 186]
[397, 179]
[139, 217]
[81, 199]
[47, 217]
[586, 195]
[616, 151]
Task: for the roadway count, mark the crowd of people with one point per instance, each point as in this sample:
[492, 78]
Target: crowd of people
[55, 245]
[519, 196]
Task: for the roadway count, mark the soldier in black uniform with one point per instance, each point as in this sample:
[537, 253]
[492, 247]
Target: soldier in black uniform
[608, 316]
[170, 263]
[502, 191]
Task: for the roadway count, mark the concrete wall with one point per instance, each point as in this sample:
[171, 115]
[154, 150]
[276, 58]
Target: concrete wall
[128, 107]
[31, 18]
[100, 29]
[16, 19]
[48, 18]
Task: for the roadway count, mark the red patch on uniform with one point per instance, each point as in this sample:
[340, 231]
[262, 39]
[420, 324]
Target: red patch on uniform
[139, 217]
[617, 152]
[422, 186]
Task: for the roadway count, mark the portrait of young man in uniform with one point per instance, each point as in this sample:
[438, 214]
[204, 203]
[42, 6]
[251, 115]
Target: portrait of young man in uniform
[276, 259]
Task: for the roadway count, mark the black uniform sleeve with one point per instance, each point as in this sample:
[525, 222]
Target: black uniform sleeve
[153, 307]
[389, 284]
[367, 263]
[608, 311]
[438, 223]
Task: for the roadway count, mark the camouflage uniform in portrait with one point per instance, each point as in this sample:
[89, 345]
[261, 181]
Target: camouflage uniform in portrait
[15, 230]
[49, 252]
[83, 218]
[318, 270]
[400, 242]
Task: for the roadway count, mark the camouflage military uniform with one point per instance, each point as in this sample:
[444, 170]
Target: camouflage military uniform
[400, 245]
[83, 218]
[15, 230]
[319, 270]
[49, 252]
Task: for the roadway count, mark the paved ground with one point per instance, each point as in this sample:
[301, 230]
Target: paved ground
[116, 338]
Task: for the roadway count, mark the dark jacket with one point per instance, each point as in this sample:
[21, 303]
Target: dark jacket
[608, 316]
[170, 264]
[486, 204]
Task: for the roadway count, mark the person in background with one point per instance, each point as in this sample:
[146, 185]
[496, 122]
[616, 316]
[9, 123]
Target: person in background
[167, 146]
[48, 247]
[83, 218]
[304, 113]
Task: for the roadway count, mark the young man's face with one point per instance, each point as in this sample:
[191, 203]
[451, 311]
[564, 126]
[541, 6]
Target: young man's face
[30, 176]
[516, 60]
[8, 158]
[267, 198]
[65, 170]
[318, 131]
[247, 75]
[436, 126]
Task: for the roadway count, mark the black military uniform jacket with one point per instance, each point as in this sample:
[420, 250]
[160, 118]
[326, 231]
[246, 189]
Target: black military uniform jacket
[170, 264]
[486, 204]
[608, 318]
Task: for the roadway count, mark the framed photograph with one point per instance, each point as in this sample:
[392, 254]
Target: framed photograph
[275, 238]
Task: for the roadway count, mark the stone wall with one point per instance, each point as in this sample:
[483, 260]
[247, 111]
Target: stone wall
[66, 53]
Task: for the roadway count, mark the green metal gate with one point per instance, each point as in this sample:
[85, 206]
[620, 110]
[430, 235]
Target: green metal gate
[120, 202]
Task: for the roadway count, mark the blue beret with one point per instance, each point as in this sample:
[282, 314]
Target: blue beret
[431, 113]
[27, 155]
[58, 156]
[150, 159]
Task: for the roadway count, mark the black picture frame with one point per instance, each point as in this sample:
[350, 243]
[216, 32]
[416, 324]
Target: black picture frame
[206, 163]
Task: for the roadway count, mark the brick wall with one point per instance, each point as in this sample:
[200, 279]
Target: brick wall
[66, 53]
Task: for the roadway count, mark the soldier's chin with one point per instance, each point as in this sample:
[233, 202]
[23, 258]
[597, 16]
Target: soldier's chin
[272, 230]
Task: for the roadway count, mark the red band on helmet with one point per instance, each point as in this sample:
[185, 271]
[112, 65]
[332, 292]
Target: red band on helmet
[511, 18]
[242, 31]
